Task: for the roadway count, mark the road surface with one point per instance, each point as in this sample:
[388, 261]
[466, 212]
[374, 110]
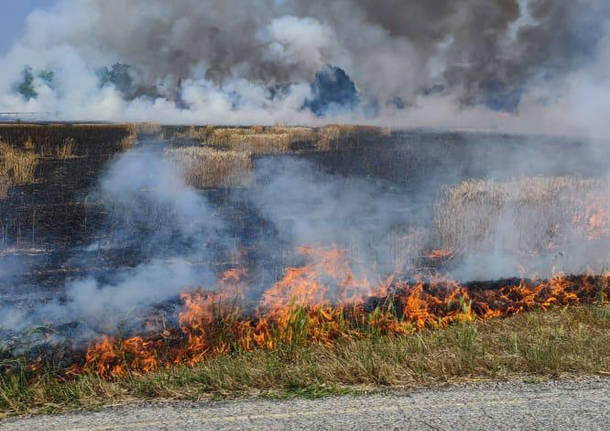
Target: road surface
[576, 404]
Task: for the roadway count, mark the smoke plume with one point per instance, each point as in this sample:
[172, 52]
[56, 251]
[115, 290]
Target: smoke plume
[512, 65]
[160, 236]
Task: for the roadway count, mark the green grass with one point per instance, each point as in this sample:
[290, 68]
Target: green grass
[532, 346]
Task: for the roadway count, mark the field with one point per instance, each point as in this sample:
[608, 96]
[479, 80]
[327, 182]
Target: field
[143, 261]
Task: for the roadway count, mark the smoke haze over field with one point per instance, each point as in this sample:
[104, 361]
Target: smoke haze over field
[160, 237]
[513, 65]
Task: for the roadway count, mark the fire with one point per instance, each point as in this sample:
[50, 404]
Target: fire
[328, 278]
[440, 254]
[322, 302]
[113, 357]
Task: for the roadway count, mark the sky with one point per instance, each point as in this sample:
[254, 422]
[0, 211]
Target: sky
[13, 17]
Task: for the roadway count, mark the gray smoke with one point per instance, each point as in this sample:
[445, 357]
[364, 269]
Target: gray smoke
[163, 238]
[388, 229]
[310, 207]
[469, 62]
[164, 227]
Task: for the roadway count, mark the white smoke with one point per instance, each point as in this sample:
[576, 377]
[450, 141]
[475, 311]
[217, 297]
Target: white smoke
[302, 42]
[211, 62]
[170, 228]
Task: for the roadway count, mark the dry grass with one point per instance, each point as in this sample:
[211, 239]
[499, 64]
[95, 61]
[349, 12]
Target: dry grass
[146, 128]
[96, 138]
[536, 211]
[336, 137]
[559, 343]
[259, 140]
[195, 132]
[281, 139]
[85, 139]
[329, 137]
[128, 141]
[18, 166]
[5, 186]
[208, 167]
[66, 149]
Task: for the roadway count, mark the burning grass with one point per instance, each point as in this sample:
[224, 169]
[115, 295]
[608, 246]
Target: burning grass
[558, 343]
[298, 311]
[323, 302]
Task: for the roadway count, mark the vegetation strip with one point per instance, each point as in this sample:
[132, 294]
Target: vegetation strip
[558, 343]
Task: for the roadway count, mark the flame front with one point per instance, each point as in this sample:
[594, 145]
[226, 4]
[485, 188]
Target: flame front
[323, 302]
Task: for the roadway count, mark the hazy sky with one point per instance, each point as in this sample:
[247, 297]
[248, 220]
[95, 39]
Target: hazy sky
[12, 19]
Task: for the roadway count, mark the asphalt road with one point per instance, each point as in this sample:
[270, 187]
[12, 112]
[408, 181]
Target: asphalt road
[577, 404]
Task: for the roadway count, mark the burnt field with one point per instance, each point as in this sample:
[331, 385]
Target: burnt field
[128, 248]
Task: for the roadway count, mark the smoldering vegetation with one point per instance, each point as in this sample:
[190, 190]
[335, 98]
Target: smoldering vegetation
[174, 209]
[525, 225]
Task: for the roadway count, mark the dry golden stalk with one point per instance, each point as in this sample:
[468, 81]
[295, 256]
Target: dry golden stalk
[127, 142]
[16, 165]
[147, 127]
[259, 140]
[281, 139]
[329, 137]
[471, 215]
[29, 144]
[66, 150]
[5, 185]
[208, 167]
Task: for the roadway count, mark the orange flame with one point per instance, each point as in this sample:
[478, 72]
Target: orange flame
[322, 302]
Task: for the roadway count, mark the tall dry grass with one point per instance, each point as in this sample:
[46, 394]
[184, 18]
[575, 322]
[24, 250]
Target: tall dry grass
[208, 167]
[282, 139]
[258, 139]
[337, 137]
[528, 213]
[145, 128]
[66, 149]
[128, 141]
[5, 186]
[200, 133]
[18, 166]
[84, 139]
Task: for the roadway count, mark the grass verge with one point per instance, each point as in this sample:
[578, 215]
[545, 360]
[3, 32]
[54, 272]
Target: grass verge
[558, 343]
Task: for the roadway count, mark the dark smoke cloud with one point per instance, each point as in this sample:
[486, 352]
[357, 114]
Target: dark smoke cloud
[482, 45]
